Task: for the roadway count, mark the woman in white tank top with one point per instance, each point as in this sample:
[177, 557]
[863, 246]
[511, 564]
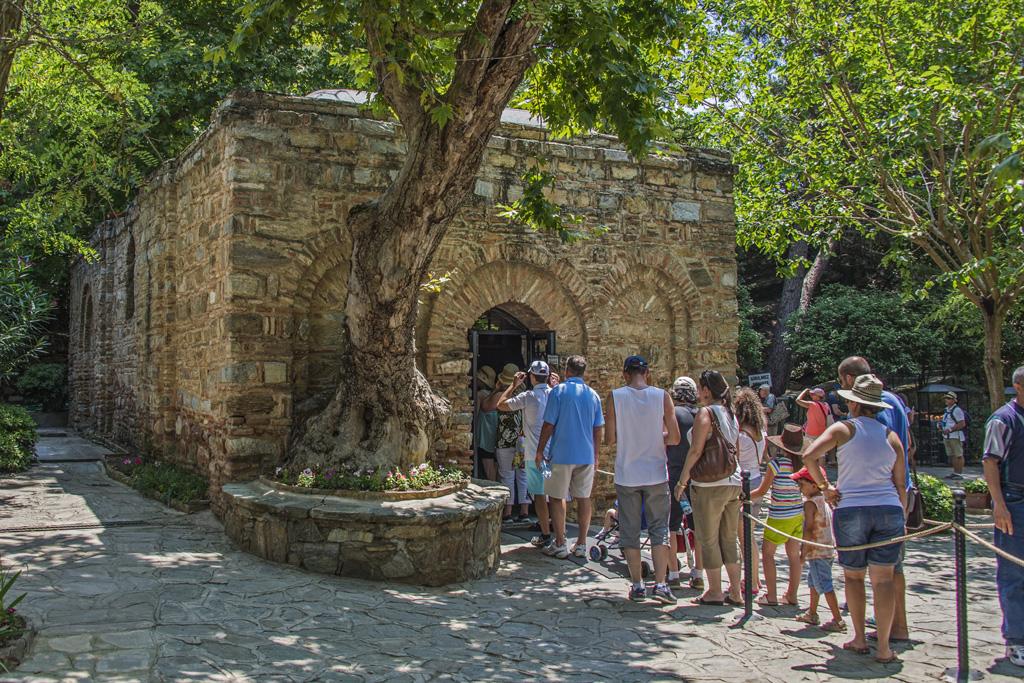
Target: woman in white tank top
[870, 499]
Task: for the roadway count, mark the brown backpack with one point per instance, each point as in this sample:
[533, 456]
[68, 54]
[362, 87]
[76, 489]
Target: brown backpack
[718, 460]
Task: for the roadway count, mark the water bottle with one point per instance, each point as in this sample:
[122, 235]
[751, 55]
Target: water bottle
[684, 505]
[545, 468]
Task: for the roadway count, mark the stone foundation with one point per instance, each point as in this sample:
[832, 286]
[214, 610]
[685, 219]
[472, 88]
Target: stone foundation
[430, 542]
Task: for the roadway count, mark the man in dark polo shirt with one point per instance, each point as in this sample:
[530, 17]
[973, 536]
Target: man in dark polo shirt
[1003, 460]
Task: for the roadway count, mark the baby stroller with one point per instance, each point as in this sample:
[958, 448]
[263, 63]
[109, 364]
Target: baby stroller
[608, 539]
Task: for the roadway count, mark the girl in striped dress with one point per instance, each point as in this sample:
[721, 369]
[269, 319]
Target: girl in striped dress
[785, 514]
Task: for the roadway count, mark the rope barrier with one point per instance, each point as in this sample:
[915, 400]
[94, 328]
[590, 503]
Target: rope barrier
[982, 542]
[944, 526]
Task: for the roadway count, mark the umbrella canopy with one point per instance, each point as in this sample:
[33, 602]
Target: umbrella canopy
[939, 389]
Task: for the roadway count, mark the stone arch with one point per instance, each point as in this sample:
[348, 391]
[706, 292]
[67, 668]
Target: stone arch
[129, 281]
[500, 283]
[318, 314]
[86, 320]
[668, 303]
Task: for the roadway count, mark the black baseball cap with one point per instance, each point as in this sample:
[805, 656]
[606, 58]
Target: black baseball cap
[634, 363]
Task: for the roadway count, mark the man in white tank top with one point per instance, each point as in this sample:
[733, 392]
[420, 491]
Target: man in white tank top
[641, 422]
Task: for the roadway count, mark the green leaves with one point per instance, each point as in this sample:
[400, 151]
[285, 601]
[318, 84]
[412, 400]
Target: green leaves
[24, 312]
[534, 210]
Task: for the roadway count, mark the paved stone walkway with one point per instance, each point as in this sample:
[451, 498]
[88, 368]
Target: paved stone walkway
[174, 601]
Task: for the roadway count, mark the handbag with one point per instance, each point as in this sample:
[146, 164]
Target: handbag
[779, 413]
[718, 460]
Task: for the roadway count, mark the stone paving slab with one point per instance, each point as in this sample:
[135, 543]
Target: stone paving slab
[176, 602]
[65, 445]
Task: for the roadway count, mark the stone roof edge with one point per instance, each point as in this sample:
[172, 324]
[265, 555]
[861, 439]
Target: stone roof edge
[711, 160]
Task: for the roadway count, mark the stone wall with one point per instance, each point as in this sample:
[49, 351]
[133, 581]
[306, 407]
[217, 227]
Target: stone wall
[241, 259]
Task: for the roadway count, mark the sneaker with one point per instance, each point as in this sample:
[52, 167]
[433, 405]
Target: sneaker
[579, 550]
[541, 540]
[507, 521]
[559, 551]
[663, 594]
[697, 583]
[675, 582]
[954, 475]
[637, 593]
[1015, 654]
[522, 518]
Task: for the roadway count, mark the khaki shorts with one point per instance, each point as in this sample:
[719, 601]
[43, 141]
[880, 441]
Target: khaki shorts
[954, 448]
[574, 480]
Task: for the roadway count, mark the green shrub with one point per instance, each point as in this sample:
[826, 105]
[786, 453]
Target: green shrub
[167, 482]
[975, 486]
[17, 438]
[938, 499]
[45, 385]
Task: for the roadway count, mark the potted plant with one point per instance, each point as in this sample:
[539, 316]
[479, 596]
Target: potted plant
[978, 497]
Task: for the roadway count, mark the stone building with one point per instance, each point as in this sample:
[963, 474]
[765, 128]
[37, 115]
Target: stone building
[211, 321]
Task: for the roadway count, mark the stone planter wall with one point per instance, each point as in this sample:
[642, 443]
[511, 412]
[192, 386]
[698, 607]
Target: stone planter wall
[430, 542]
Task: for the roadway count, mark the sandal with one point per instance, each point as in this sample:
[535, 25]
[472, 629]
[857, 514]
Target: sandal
[834, 626]
[808, 618]
[702, 601]
[729, 600]
[850, 647]
[765, 602]
[887, 660]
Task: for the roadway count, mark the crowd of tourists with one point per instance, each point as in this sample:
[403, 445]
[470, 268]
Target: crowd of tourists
[680, 456]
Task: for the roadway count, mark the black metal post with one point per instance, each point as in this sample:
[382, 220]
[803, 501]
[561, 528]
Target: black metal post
[474, 342]
[748, 550]
[960, 550]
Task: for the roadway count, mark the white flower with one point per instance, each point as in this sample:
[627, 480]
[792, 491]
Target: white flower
[308, 472]
[277, 471]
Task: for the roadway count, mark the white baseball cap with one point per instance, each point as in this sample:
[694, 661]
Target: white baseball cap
[539, 368]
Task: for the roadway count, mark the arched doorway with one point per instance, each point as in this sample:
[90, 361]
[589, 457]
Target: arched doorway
[510, 333]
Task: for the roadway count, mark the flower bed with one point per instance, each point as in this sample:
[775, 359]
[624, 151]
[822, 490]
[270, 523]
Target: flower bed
[422, 481]
[168, 483]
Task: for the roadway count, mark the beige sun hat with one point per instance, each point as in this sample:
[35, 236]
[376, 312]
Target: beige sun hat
[867, 390]
[485, 376]
[508, 374]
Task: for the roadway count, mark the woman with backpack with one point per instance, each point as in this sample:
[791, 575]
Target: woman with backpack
[684, 396]
[713, 471]
[819, 413]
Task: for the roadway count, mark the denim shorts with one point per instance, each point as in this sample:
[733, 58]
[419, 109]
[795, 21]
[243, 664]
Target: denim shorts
[819, 575]
[868, 524]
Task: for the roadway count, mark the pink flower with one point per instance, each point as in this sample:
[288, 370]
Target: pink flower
[138, 461]
[126, 461]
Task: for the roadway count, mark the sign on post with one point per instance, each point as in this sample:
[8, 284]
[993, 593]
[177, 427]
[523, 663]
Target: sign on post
[553, 361]
[757, 380]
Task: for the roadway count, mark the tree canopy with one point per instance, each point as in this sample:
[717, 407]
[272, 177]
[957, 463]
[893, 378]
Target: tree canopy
[99, 94]
[901, 117]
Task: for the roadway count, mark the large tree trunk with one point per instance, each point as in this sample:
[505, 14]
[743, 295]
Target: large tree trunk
[11, 12]
[797, 292]
[384, 413]
[993, 315]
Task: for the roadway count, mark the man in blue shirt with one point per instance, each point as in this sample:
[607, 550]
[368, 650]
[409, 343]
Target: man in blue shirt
[1003, 460]
[573, 422]
[896, 420]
